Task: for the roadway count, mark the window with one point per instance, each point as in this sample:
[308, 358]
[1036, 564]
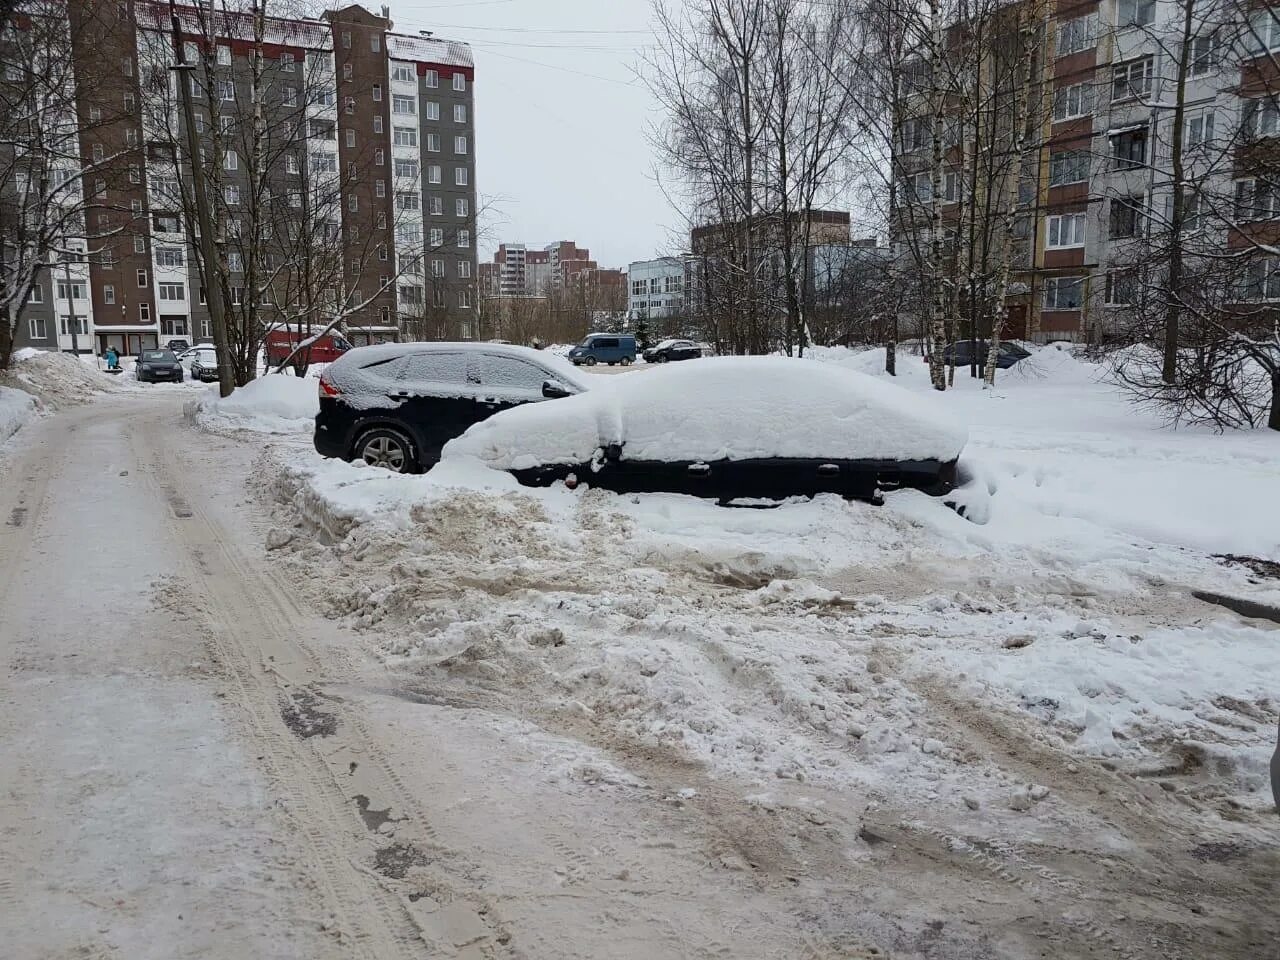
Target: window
[460, 177]
[437, 237]
[408, 200]
[142, 279]
[464, 238]
[295, 198]
[131, 137]
[459, 113]
[1193, 207]
[433, 173]
[71, 291]
[1256, 200]
[433, 78]
[128, 103]
[170, 257]
[464, 301]
[382, 220]
[433, 143]
[286, 62]
[1066, 230]
[433, 110]
[1072, 101]
[379, 158]
[1261, 118]
[109, 293]
[351, 138]
[1264, 32]
[12, 72]
[437, 265]
[1063, 293]
[460, 146]
[226, 91]
[406, 168]
[1199, 130]
[233, 228]
[324, 163]
[1204, 53]
[346, 71]
[951, 188]
[405, 136]
[224, 55]
[95, 114]
[380, 188]
[139, 244]
[459, 82]
[350, 105]
[81, 325]
[144, 313]
[915, 134]
[173, 292]
[36, 295]
[325, 96]
[235, 262]
[98, 153]
[1130, 149]
[1126, 218]
[135, 174]
[464, 269]
[1132, 79]
[36, 326]
[410, 294]
[135, 206]
[405, 106]
[377, 93]
[1135, 13]
[231, 161]
[353, 202]
[402, 72]
[1263, 280]
[231, 194]
[375, 42]
[382, 253]
[346, 39]
[437, 206]
[377, 123]
[290, 163]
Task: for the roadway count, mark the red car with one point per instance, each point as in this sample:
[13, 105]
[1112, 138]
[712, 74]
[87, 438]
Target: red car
[280, 342]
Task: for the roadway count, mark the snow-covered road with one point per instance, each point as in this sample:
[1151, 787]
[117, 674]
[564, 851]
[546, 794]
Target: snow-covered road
[581, 729]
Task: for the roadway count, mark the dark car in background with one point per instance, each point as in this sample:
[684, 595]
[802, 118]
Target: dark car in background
[204, 364]
[153, 366]
[960, 354]
[669, 350]
[397, 405]
[177, 345]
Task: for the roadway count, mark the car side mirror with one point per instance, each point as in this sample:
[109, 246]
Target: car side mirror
[554, 389]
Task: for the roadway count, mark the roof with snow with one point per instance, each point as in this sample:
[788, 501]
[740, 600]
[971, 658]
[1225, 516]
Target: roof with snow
[234, 25]
[449, 53]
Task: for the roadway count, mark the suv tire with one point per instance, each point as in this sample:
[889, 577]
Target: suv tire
[388, 448]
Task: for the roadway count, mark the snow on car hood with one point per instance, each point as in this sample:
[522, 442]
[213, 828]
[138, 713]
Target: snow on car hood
[727, 408]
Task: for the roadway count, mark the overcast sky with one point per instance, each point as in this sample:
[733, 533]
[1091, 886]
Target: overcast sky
[561, 121]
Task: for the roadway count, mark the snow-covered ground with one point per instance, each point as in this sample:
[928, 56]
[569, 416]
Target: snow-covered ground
[838, 642]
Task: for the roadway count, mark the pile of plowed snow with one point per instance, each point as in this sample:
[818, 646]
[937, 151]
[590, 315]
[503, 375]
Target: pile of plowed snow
[275, 403]
[56, 379]
[17, 408]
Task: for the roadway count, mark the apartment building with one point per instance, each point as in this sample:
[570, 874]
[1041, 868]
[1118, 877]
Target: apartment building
[658, 288]
[519, 271]
[1099, 184]
[340, 156]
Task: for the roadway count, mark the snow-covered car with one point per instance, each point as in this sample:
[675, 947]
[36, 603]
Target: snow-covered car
[729, 428]
[960, 354]
[204, 365]
[397, 405]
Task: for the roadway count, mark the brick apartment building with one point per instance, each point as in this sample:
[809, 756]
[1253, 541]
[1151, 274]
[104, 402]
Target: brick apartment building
[1100, 185]
[351, 146]
[518, 271]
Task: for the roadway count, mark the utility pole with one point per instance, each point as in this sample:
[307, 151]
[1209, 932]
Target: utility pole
[71, 310]
[204, 218]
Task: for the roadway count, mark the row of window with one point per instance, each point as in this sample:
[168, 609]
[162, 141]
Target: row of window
[316, 60]
[669, 284]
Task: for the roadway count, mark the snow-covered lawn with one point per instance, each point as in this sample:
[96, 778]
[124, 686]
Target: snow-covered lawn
[839, 642]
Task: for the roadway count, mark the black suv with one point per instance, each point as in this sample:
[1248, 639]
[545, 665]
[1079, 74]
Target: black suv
[397, 405]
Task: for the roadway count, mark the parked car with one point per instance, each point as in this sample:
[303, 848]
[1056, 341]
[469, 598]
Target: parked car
[153, 366]
[204, 365]
[280, 342]
[177, 345]
[610, 348]
[669, 350]
[960, 354]
[729, 429]
[397, 405]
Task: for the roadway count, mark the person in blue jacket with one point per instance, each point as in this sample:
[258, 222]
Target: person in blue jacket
[113, 359]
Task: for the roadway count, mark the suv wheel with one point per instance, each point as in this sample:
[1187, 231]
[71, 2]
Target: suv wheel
[387, 448]
[590, 361]
[626, 361]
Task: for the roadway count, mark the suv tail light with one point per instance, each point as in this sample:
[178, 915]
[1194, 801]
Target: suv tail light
[327, 389]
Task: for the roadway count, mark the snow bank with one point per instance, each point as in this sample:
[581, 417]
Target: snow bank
[17, 409]
[275, 403]
[735, 408]
[57, 379]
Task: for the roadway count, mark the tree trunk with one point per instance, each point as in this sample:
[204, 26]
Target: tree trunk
[1173, 303]
[6, 339]
[937, 324]
[1273, 421]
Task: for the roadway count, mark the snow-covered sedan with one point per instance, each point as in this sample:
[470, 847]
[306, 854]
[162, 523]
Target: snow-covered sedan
[397, 405]
[728, 428]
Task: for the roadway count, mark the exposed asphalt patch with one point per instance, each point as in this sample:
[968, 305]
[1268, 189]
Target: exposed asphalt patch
[374, 819]
[18, 516]
[1217, 852]
[1246, 608]
[396, 861]
[301, 713]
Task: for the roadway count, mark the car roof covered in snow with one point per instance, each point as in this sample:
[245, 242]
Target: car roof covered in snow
[380, 353]
[723, 408]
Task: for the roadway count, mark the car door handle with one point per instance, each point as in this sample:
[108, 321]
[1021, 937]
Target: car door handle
[402, 394]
